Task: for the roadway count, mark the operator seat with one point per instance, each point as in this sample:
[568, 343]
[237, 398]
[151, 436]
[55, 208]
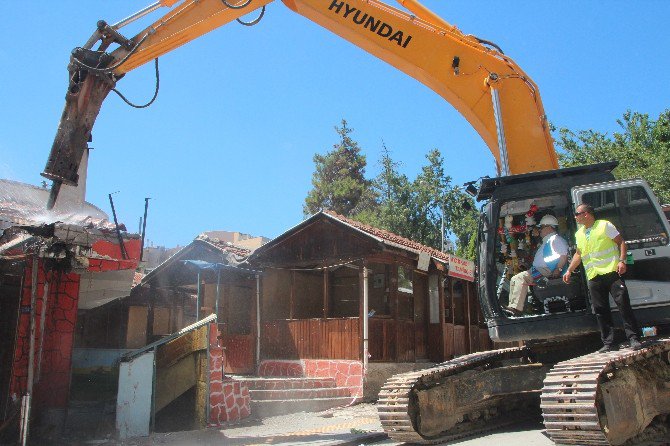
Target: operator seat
[556, 296]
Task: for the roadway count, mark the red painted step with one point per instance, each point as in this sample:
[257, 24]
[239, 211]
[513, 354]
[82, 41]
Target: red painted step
[279, 383]
[297, 394]
[268, 408]
[282, 395]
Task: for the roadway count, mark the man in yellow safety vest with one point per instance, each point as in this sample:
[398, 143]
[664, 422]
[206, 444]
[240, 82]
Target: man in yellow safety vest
[602, 250]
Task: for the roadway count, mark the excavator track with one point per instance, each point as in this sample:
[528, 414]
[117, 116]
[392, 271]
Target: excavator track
[401, 410]
[613, 398]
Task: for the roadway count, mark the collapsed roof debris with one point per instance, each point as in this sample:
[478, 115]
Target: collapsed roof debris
[68, 236]
[24, 204]
[69, 247]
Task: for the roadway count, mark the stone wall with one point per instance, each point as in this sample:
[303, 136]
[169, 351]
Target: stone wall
[53, 346]
[229, 400]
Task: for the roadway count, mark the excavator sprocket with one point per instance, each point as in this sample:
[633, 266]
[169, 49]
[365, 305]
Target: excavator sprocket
[458, 398]
[615, 398]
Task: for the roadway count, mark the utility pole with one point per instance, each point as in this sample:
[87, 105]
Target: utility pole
[442, 223]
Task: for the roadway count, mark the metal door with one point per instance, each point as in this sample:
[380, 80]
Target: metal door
[135, 396]
[632, 207]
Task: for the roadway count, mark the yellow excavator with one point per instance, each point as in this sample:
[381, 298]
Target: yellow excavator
[586, 398]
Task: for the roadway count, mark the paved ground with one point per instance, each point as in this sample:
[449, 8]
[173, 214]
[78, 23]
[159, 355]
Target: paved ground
[356, 425]
[348, 426]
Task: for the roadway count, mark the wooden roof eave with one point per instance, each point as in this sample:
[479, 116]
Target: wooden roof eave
[296, 230]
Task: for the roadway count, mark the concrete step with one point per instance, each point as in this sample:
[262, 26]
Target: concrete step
[270, 408]
[283, 383]
[298, 394]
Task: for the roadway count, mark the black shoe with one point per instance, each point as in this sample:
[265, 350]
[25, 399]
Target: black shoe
[513, 311]
[635, 344]
[608, 348]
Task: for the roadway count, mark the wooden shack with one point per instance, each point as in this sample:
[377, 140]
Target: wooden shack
[203, 278]
[343, 299]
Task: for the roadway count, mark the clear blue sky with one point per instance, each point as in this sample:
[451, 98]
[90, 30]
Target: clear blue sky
[229, 143]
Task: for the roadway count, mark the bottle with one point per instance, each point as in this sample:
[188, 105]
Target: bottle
[648, 331]
[629, 258]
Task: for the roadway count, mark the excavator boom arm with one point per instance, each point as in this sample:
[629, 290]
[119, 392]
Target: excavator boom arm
[496, 97]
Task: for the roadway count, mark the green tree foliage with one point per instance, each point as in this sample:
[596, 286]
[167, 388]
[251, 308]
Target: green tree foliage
[339, 182]
[393, 194]
[414, 209]
[432, 189]
[436, 197]
[410, 208]
[462, 217]
[642, 149]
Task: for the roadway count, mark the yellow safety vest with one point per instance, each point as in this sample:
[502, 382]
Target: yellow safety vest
[600, 254]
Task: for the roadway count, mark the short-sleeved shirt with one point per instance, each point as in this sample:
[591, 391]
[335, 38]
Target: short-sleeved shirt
[553, 247]
[610, 230]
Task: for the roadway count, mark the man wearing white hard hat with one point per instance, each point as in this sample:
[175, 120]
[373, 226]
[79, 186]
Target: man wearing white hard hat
[550, 260]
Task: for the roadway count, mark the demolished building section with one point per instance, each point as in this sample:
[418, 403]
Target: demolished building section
[51, 264]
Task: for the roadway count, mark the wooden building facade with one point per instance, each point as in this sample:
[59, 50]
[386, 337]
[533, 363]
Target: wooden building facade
[333, 288]
[201, 279]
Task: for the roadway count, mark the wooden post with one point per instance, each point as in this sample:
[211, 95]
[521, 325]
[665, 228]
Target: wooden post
[394, 305]
[443, 331]
[452, 317]
[326, 293]
[150, 313]
[197, 300]
[291, 295]
[468, 322]
[413, 307]
[361, 347]
[258, 322]
[365, 316]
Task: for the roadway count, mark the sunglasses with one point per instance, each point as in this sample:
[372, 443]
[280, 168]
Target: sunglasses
[577, 214]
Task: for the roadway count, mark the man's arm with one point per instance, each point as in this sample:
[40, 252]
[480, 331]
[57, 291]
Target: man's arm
[562, 249]
[561, 263]
[623, 250]
[576, 260]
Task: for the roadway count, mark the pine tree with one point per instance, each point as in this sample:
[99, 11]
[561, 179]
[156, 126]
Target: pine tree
[339, 182]
[414, 209]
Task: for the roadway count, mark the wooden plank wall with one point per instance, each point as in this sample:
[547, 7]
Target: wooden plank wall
[239, 353]
[391, 340]
[180, 365]
[405, 342]
[311, 339]
[381, 344]
[460, 341]
[435, 347]
[448, 342]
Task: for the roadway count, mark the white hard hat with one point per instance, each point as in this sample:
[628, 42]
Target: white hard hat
[549, 220]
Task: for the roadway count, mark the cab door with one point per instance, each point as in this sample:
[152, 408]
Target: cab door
[632, 207]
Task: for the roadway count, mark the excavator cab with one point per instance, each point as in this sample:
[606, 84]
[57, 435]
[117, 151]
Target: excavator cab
[509, 239]
[520, 238]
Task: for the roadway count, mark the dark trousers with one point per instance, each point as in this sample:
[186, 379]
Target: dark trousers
[600, 288]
